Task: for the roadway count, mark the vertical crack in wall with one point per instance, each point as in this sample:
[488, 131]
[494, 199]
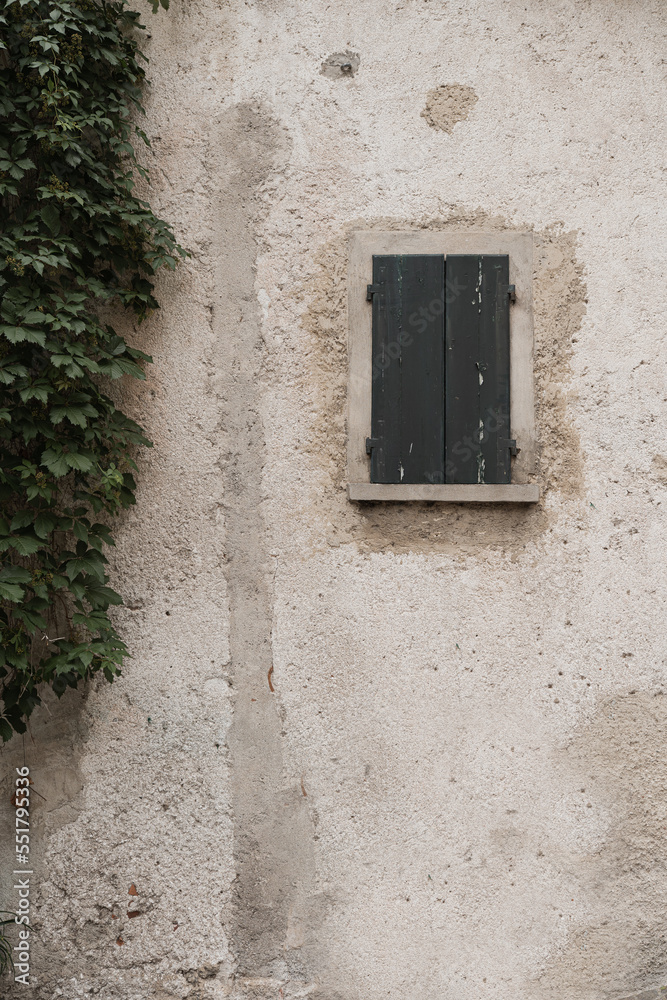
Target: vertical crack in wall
[272, 831]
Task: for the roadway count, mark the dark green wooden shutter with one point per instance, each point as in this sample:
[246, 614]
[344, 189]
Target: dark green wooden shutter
[407, 442]
[477, 367]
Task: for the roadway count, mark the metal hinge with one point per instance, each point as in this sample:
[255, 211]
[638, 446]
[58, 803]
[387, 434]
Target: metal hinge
[511, 444]
[371, 443]
[370, 291]
[511, 291]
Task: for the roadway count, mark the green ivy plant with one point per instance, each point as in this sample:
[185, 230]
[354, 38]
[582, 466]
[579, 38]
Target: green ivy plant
[74, 237]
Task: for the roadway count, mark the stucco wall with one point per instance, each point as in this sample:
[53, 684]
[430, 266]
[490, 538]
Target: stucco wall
[454, 782]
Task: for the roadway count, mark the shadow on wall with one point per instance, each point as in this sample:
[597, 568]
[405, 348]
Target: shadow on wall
[620, 759]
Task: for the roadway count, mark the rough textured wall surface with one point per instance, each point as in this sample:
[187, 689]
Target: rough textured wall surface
[369, 751]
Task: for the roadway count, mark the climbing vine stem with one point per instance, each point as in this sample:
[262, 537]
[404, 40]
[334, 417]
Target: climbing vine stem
[74, 237]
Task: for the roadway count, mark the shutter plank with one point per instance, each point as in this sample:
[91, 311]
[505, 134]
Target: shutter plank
[408, 414]
[386, 394]
[461, 373]
[477, 369]
[494, 395]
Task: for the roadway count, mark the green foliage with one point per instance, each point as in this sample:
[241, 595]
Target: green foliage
[73, 237]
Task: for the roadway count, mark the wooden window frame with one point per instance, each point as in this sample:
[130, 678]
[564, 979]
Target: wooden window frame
[519, 247]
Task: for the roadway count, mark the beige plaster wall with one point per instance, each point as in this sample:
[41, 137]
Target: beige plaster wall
[452, 784]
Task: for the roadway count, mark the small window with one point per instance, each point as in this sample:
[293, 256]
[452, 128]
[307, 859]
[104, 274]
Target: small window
[441, 403]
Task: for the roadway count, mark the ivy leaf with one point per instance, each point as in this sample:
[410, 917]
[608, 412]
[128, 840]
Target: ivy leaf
[35, 392]
[75, 414]
[11, 591]
[55, 462]
[44, 525]
[100, 533]
[25, 545]
[101, 596]
[16, 334]
[15, 574]
[10, 372]
[80, 531]
[83, 564]
[22, 519]
[51, 218]
[32, 619]
[77, 461]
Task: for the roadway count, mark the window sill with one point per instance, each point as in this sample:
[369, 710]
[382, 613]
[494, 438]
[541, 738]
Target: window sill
[506, 493]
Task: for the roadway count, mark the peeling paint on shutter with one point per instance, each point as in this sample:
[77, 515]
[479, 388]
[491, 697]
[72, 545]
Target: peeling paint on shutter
[477, 369]
[407, 443]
